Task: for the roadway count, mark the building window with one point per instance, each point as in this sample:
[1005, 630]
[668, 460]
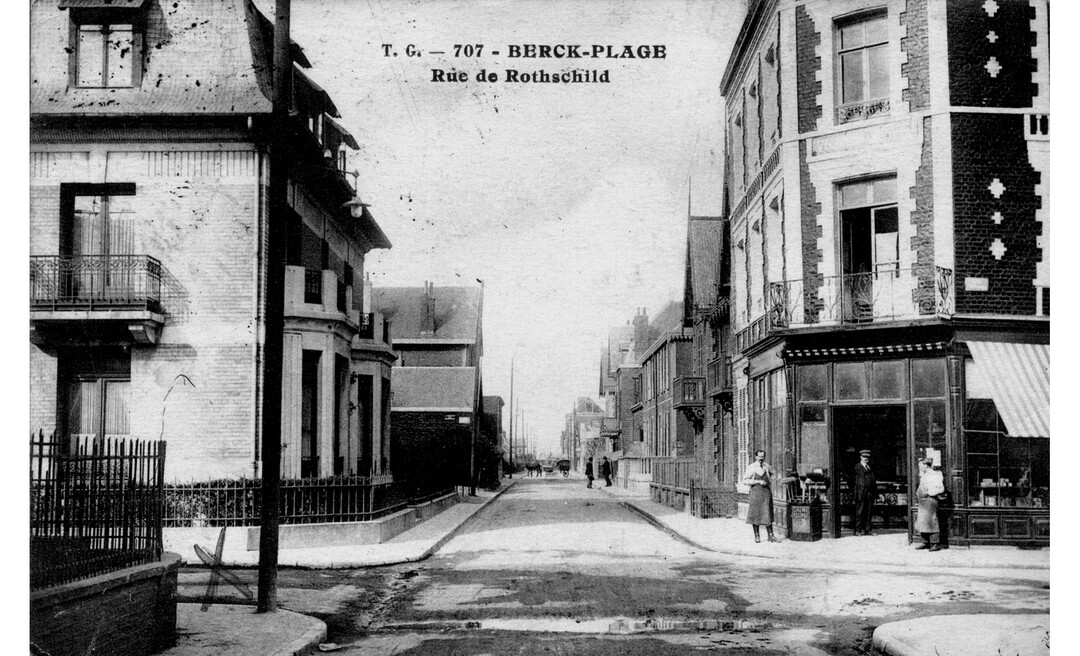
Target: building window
[1003, 471]
[309, 414]
[94, 395]
[862, 67]
[870, 249]
[106, 52]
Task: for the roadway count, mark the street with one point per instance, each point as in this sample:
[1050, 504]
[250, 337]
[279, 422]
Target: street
[554, 568]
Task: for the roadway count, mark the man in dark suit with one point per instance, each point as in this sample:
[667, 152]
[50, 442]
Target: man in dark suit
[865, 493]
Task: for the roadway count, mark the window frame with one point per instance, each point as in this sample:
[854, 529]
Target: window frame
[106, 18]
[839, 24]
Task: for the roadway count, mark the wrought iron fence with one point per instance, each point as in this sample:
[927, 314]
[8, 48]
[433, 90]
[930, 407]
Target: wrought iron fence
[95, 506]
[95, 281]
[238, 502]
[706, 502]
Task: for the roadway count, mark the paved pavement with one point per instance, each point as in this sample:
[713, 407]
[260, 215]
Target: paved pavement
[240, 631]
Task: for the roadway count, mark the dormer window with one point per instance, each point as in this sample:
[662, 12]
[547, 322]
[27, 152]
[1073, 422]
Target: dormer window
[106, 43]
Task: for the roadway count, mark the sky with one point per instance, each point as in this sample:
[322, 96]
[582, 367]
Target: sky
[568, 200]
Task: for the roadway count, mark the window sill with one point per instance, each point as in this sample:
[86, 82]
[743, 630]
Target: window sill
[861, 111]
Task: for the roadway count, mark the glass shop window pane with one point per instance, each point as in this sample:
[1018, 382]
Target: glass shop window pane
[813, 382]
[927, 378]
[981, 415]
[811, 413]
[850, 381]
[888, 379]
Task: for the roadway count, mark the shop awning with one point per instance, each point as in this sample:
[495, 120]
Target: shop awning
[1018, 379]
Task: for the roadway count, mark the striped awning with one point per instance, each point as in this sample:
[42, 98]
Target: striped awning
[1017, 377]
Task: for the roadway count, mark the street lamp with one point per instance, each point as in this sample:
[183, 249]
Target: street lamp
[356, 206]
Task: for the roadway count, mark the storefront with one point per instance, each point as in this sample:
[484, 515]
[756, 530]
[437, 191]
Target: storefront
[978, 408]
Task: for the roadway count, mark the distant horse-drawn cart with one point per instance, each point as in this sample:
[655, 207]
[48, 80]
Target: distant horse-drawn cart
[564, 467]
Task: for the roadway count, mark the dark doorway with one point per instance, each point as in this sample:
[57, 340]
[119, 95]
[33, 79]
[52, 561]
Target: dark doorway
[883, 430]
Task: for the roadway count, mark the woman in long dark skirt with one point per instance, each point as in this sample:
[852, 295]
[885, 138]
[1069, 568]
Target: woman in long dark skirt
[759, 477]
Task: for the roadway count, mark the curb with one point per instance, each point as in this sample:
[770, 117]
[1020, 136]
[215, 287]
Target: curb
[665, 528]
[452, 532]
[837, 561]
[885, 643]
[308, 642]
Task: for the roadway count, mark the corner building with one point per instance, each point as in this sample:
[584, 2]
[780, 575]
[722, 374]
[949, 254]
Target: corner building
[888, 177]
[149, 139]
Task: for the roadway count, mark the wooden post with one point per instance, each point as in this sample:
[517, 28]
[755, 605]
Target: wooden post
[274, 316]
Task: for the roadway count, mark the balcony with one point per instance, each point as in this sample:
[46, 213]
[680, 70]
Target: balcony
[689, 392]
[116, 298]
[853, 300]
[95, 282]
[718, 376]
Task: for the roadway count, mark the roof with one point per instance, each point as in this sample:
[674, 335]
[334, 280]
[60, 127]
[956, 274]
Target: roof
[434, 388]
[704, 244]
[669, 318]
[201, 57]
[457, 311]
[755, 13]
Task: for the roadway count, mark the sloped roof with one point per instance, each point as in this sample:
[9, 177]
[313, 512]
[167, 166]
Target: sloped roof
[457, 311]
[705, 240]
[434, 388]
[669, 318]
[201, 57]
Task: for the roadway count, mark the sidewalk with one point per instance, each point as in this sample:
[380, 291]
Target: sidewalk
[239, 631]
[734, 537]
[417, 543]
[965, 635]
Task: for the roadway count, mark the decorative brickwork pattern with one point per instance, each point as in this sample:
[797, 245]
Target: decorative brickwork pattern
[916, 44]
[988, 147]
[990, 57]
[811, 231]
[922, 219]
[807, 66]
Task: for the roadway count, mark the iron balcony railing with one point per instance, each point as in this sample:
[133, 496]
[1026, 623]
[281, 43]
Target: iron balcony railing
[859, 298]
[853, 299]
[91, 282]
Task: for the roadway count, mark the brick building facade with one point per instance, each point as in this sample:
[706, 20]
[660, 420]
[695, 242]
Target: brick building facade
[150, 129]
[888, 269]
[438, 389]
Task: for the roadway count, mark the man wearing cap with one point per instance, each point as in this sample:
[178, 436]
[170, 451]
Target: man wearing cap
[865, 493]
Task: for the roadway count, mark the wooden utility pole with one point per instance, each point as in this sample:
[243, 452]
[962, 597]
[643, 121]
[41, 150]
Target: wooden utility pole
[274, 322]
[511, 417]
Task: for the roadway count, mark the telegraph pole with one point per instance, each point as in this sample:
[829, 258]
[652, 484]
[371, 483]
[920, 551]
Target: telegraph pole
[274, 322]
[511, 417]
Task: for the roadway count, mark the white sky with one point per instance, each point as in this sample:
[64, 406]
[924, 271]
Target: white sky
[569, 201]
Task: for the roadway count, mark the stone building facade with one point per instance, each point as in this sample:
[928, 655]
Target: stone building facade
[887, 170]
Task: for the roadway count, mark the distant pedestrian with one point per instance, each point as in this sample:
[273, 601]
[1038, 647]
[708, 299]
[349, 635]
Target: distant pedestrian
[605, 471]
[589, 472]
[759, 477]
[865, 493]
[931, 489]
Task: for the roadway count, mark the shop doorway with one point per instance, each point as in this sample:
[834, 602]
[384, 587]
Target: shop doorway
[883, 430]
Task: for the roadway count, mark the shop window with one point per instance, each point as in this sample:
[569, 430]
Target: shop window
[850, 381]
[929, 431]
[927, 378]
[813, 382]
[814, 435]
[1003, 471]
[887, 379]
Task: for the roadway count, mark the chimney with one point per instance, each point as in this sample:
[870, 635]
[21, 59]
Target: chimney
[427, 319]
[641, 333]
